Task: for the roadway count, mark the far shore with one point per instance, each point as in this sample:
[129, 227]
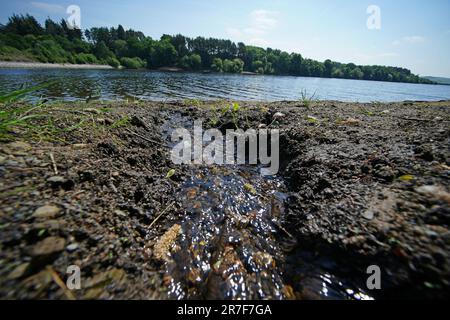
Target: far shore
[14, 64]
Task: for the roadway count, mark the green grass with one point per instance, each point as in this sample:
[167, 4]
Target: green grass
[123, 122]
[219, 116]
[307, 99]
[21, 93]
[44, 122]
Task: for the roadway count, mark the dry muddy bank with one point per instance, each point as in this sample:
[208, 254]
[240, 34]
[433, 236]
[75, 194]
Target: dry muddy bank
[93, 185]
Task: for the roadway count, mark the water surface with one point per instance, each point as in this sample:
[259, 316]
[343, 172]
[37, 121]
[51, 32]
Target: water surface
[164, 86]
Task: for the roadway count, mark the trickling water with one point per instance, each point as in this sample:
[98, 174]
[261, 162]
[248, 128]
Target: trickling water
[231, 240]
[228, 248]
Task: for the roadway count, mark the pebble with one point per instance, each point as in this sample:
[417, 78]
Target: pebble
[20, 145]
[278, 115]
[59, 181]
[19, 271]
[46, 212]
[72, 247]
[48, 246]
[78, 146]
[368, 214]
[120, 213]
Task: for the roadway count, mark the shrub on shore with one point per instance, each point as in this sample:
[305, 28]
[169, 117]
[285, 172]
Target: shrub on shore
[132, 63]
[113, 62]
[86, 58]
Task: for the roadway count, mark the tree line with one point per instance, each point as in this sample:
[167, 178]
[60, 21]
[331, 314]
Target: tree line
[23, 38]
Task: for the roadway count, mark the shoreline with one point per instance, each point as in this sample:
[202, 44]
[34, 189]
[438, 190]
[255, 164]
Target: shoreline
[41, 65]
[365, 184]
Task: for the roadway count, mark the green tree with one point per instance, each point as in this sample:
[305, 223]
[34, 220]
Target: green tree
[102, 52]
[217, 65]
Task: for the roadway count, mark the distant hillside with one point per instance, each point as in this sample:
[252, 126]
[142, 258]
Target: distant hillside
[23, 38]
[439, 80]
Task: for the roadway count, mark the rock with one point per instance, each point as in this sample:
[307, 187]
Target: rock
[278, 116]
[92, 110]
[108, 147]
[46, 212]
[138, 122]
[20, 271]
[72, 247]
[434, 192]
[97, 283]
[19, 146]
[56, 180]
[368, 214]
[428, 190]
[355, 240]
[351, 122]
[47, 224]
[162, 248]
[120, 213]
[385, 173]
[48, 246]
[78, 146]
[59, 181]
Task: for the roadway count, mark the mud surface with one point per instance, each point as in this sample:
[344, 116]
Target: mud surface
[359, 185]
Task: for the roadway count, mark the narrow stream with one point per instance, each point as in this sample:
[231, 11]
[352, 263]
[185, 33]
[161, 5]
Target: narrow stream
[232, 240]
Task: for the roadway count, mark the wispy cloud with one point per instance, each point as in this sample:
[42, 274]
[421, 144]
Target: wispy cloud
[365, 58]
[48, 7]
[260, 23]
[409, 40]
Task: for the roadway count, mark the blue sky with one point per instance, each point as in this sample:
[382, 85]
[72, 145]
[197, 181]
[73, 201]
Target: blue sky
[414, 33]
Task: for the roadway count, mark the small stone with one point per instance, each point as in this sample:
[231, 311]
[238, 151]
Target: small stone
[20, 271]
[46, 212]
[435, 192]
[428, 190]
[368, 214]
[278, 115]
[48, 246]
[20, 146]
[115, 174]
[120, 213]
[351, 122]
[92, 110]
[102, 279]
[138, 122]
[58, 181]
[78, 146]
[72, 247]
